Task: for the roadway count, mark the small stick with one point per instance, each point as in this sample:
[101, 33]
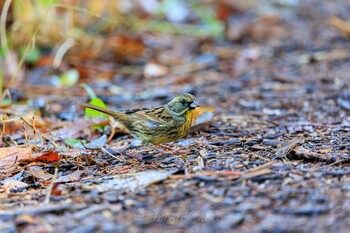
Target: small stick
[41, 138]
[43, 135]
[259, 157]
[35, 135]
[266, 165]
[14, 163]
[61, 51]
[112, 135]
[107, 152]
[3, 121]
[25, 134]
[50, 187]
[209, 173]
[340, 161]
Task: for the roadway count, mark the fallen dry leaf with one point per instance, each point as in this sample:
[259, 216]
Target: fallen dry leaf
[199, 112]
[13, 184]
[201, 118]
[132, 181]
[124, 47]
[74, 176]
[8, 155]
[37, 172]
[48, 157]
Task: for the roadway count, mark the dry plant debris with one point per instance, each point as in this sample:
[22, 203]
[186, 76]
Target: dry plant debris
[267, 152]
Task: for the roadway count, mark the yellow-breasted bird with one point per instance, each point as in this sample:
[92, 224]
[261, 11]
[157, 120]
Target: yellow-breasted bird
[162, 124]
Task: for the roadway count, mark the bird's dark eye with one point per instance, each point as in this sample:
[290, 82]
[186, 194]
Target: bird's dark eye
[183, 102]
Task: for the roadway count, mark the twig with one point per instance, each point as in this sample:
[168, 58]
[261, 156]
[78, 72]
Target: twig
[14, 163]
[43, 135]
[107, 152]
[4, 12]
[61, 51]
[3, 121]
[257, 171]
[111, 135]
[273, 122]
[209, 173]
[50, 187]
[6, 111]
[342, 25]
[35, 135]
[259, 157]
[307, 154]
[266, 165]
[340, 161]
[25, 134]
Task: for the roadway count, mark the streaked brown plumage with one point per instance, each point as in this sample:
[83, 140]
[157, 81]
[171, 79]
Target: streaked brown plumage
[162, 124]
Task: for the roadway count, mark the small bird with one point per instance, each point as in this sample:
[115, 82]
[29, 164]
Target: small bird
[162, 124]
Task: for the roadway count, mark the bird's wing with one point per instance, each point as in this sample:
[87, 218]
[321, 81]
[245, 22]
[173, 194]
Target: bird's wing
[158, 115]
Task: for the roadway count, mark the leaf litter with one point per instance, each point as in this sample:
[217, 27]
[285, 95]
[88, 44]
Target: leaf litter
[268, 151]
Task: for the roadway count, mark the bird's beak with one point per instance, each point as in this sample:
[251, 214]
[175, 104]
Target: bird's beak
[194, 104]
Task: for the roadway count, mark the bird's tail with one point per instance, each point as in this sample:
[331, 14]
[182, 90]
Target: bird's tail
[117, 115]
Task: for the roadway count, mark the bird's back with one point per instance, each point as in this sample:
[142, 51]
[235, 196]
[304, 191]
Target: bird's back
[155, 125]
[151, 125]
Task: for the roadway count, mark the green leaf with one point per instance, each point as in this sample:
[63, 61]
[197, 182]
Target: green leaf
[70, 78]
[48, 2]
[72, 142]
[1, 81]
[5, 102]
[212, 26]
[2, 53]
[97, 143]
[33, 54]
[90, 113]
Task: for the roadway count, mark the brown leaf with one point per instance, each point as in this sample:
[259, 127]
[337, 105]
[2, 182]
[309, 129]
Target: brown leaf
[267, 27]
[201, 118]
[224, 11]
[8, 155]
[200, 112]
[37, 172]
[13, 184]
[69, 178]
[45, 61]
[48, 157]
[124, 47]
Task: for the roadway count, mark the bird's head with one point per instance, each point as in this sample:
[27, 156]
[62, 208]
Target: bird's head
[183, 103]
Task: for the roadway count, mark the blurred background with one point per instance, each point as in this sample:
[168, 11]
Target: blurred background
[114, 45]
[270, 155]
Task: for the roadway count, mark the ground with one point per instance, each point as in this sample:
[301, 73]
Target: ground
[274, 158]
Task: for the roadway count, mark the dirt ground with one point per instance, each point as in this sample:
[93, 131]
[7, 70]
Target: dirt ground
[275, 157]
